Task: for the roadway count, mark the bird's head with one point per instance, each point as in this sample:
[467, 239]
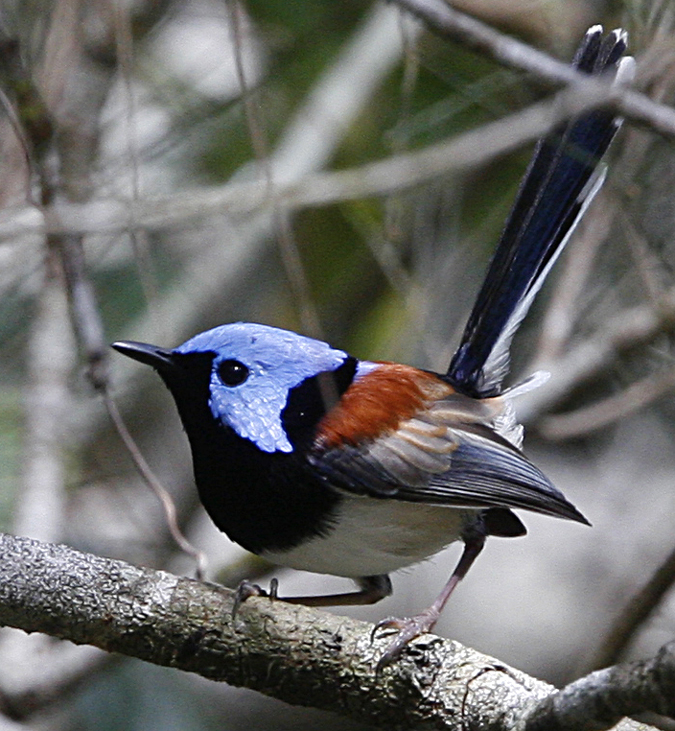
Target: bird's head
[262, 382]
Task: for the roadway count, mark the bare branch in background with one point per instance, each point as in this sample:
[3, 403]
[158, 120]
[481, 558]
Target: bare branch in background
[648, 265]
[634, 615]
[59, 153]
[85, 313]
[638, 325]
[442, 18]
[310, 138]
[37, 669]
[282, 226]
[156, 486]
[562, 315]
[466, 151]
[610, 410]
[40, 511]
[125, 57]
[602, 698]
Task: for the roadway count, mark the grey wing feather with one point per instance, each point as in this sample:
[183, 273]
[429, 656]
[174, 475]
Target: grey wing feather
[482, 476]
[430, 461]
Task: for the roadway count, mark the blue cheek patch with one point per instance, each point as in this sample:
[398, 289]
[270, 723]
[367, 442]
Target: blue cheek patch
[253, 410]
[278, 360]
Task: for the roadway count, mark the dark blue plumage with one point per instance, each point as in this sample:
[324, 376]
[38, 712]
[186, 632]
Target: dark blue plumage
[316, 460]
[559, 184]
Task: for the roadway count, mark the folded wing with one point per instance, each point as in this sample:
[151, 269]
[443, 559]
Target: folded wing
[445, 454]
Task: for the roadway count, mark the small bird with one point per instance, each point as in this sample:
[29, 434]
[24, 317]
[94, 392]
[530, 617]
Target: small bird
[316, 460]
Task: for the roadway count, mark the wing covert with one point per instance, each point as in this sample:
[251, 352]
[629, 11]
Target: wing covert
[444, 455]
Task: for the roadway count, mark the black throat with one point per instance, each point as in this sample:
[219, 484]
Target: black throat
[263, 501]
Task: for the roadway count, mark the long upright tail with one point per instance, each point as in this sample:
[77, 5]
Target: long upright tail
[560, 182]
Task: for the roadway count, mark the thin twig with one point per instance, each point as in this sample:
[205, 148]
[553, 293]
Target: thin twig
[89, 329]
[137, 234]
[464, 151]
[649, 267]
[156, 486]
[441, 18]
[283, 229]
[636, 612]
[15, 123]
[87, 320]
[610, 410]
[628, 329]
[563, 308]
[251, 108]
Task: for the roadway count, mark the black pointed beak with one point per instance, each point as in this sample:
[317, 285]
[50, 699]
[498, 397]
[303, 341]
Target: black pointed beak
[151, 355]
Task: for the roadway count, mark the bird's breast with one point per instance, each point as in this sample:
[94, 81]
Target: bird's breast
[264, 502]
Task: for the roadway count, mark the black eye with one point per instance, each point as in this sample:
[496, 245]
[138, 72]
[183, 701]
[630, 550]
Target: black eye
[232, 372]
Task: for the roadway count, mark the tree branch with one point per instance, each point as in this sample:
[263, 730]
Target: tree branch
[405, 170]
[635, 613]
[602, 698]
[296, 654]
[633, 326]
[442, 19]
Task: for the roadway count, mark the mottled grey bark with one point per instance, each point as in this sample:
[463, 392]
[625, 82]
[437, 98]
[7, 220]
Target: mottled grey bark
[293, 653]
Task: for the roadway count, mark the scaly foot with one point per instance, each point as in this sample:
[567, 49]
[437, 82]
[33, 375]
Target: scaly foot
[408, 629]
[246, 589]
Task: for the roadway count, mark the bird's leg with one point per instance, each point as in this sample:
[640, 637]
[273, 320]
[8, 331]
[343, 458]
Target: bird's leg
[411, 627]
[373, 589]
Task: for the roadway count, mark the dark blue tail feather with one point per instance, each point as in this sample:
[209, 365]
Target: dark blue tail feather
[557, 185]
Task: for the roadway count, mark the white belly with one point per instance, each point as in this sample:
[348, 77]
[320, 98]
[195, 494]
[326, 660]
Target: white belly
[373, 537]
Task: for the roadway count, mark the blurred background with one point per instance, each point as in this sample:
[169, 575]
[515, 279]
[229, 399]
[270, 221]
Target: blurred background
[175, 126]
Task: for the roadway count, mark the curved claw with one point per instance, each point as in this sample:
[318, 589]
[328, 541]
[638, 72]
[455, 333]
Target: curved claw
[408, 629]
[247, 589]
[395, 623]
